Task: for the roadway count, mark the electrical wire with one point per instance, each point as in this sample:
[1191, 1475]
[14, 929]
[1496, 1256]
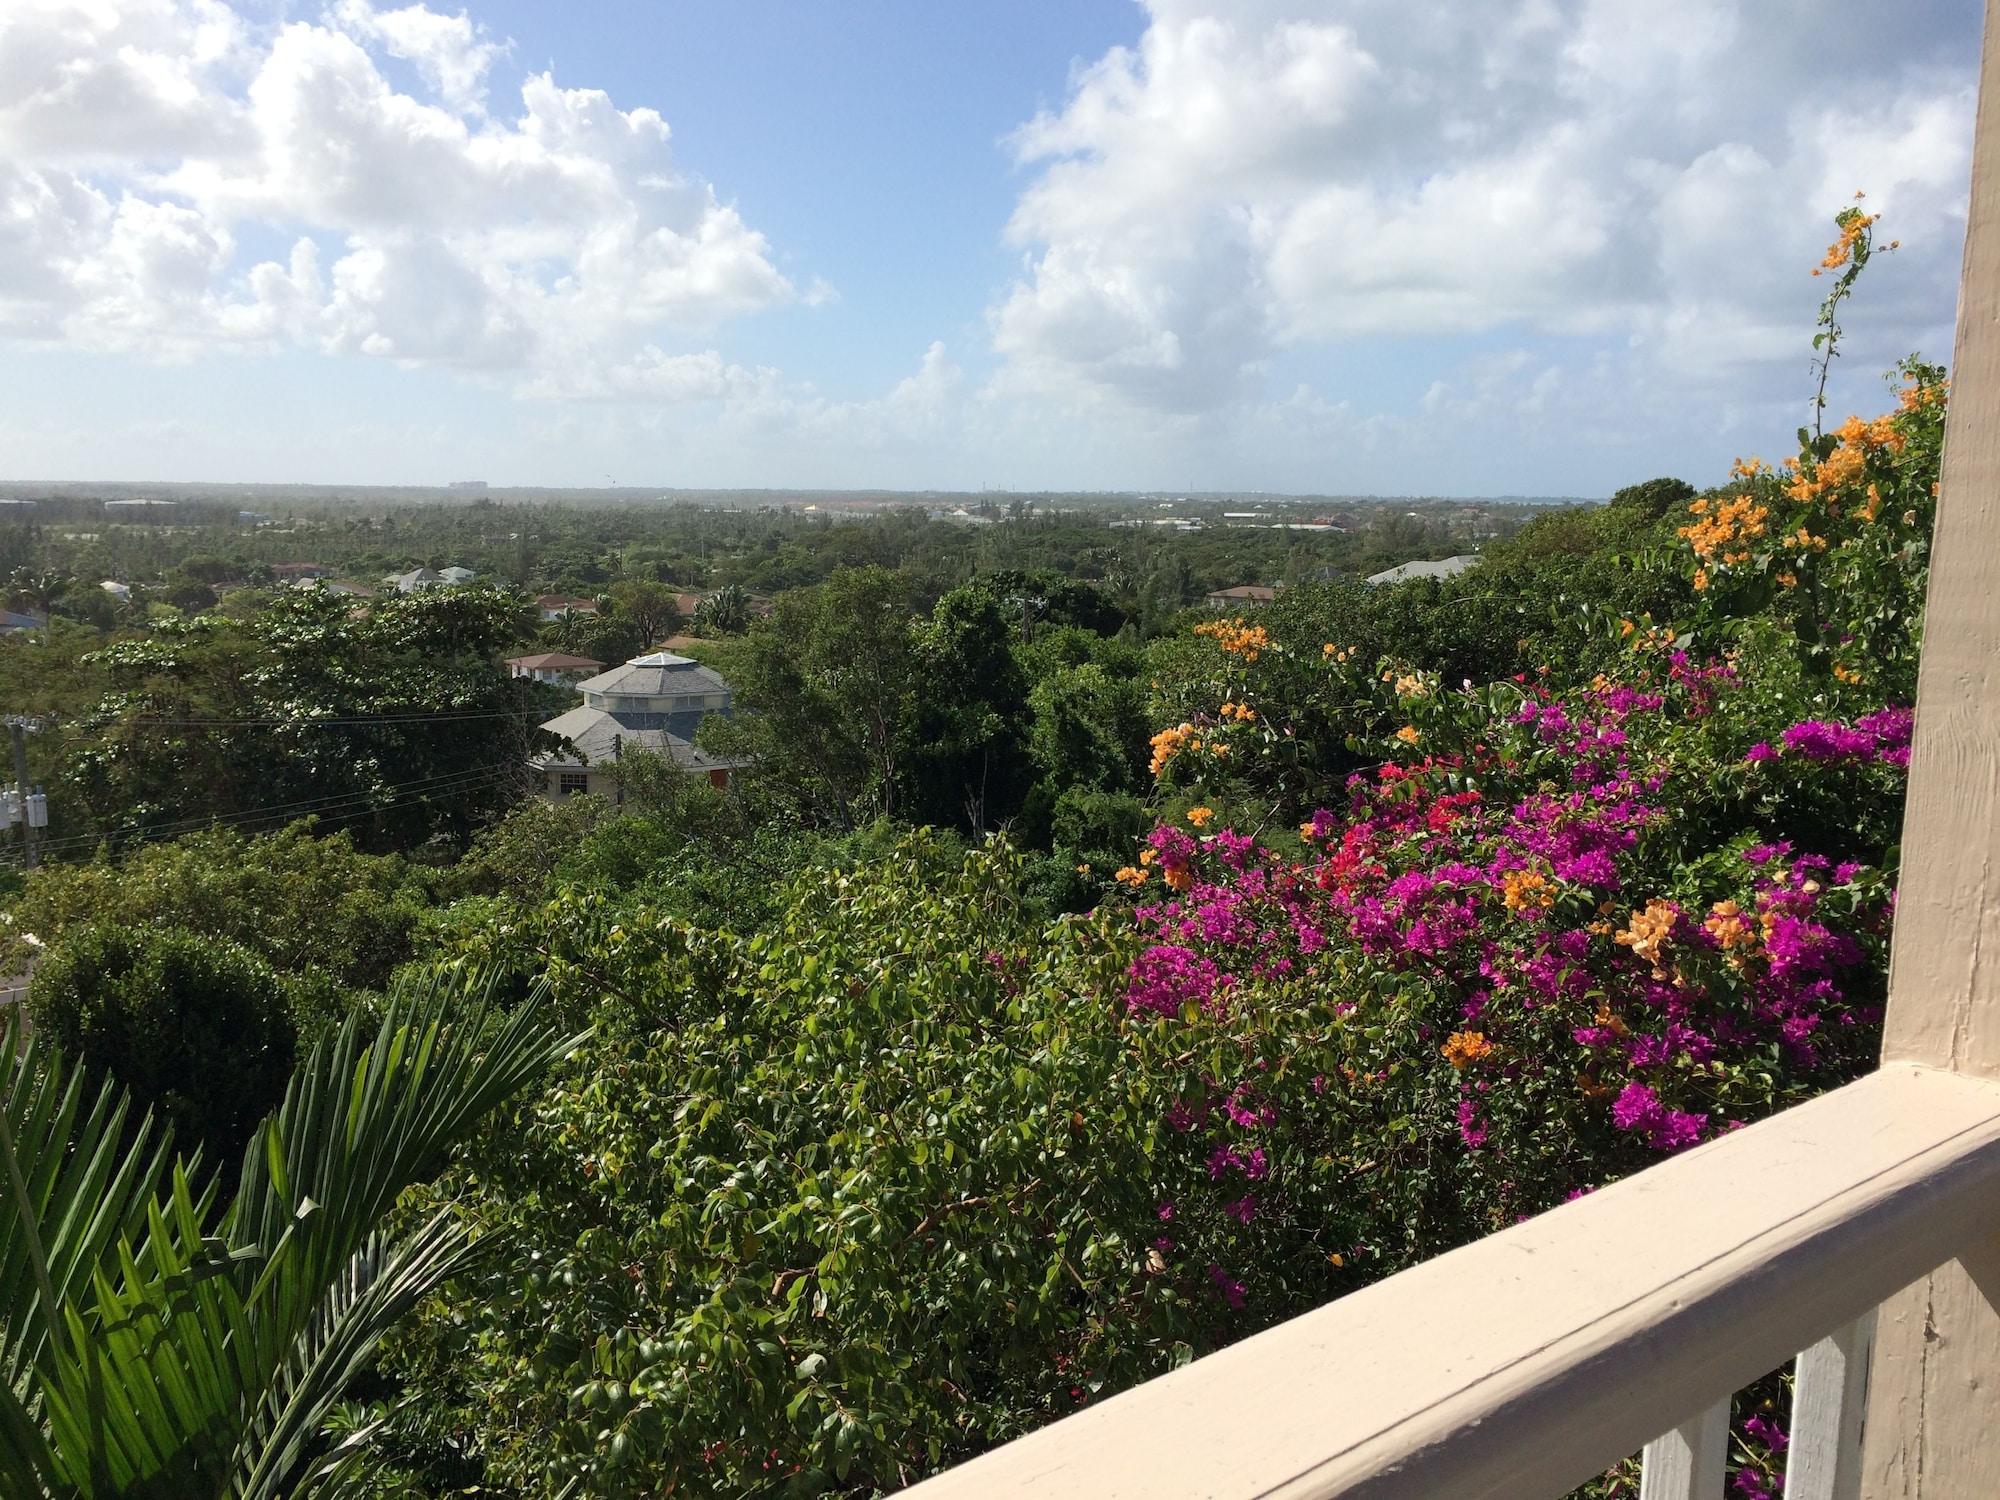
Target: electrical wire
[331, 721]
[332, 807]
[449, 787]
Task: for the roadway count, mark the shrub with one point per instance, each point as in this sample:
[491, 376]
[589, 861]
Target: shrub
[197, 1028]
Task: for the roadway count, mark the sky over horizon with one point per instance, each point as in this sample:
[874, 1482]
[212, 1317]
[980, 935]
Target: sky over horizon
[1484, 247]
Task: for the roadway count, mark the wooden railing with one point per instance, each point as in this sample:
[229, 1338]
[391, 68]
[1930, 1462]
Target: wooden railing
[1531, 1361]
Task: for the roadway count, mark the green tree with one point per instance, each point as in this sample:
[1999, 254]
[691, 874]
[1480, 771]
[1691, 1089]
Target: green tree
[1089, 729]
[309, 904]
[398, 722]
[967, 752]
[649, 606]
[1655, 498]
[827, 686]
[195, 1029]
[724, 612]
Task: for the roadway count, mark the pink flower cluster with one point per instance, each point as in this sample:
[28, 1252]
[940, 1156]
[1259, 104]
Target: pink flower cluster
[1882, 736]
[1511, 901]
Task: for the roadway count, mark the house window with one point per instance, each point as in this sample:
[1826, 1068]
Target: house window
[569, 783]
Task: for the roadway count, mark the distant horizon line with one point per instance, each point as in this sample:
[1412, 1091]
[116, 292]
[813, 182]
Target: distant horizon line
[463, 489]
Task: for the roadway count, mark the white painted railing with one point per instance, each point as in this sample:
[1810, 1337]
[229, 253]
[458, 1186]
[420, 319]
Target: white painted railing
[1531, 1361]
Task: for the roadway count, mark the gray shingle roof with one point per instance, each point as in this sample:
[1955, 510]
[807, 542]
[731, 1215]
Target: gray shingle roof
[659, 675]
[1443, 568]
[597, 736]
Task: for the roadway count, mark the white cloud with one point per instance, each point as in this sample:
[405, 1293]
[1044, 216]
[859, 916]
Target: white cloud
[145, 139]
[451, 52]
[1267, 176]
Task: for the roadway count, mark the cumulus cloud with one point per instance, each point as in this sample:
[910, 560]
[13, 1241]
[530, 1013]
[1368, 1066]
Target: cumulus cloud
[1281, 175]
[143, 138]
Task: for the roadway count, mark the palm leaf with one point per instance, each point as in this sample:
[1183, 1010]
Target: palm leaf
[76, 1181]
[206, 1354]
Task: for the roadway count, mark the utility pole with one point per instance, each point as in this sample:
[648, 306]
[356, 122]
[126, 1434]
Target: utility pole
[31, 853]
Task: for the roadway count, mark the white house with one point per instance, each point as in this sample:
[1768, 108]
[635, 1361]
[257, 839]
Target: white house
[553, 667]
[653, 703]
[1446, 567]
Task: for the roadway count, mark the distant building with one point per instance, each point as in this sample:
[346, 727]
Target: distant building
[141, 510]
[115, 589]
[470, 486]
[290, 572]
[252, 518]
[12, 510]
[652, 703]
[11, 622]
[1445, 567]
[1243, 596]
[457, 575]
[555, 606]
[553, 667]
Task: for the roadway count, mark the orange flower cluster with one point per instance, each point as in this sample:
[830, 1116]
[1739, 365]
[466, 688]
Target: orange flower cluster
[1242, 713]
[1725, 923]
[1841, 251]
[1410, 685]
[1237, 637]
[1464, 1048]
[1187, 737]
[1408, 734]
[1859, 440]
[1199, 817]
[1527, 890]
[1339, 653]
[1168, 743]
[1130, 876]
[1916, 395]
[1721, 526]
[1649, 934]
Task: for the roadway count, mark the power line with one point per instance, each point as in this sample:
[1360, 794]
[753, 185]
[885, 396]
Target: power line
[341, 804]
[334, 808]
[330, 721]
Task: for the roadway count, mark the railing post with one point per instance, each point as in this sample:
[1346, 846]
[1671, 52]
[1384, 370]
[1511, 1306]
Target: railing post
[1829, 1400]
[1935, 1375]
[1687, 1463]
[1934, 1382]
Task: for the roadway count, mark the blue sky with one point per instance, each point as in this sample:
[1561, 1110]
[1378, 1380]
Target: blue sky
[1352, 246]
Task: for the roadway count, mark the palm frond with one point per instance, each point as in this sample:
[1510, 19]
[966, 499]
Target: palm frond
[76, 1182]
[204, 1354]
[381, 1284]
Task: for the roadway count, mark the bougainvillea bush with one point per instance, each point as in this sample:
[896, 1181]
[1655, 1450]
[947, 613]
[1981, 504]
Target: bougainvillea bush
[899, 1173]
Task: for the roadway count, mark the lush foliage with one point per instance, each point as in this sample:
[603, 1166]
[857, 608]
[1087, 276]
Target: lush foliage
[327, 916]
[196, 1030]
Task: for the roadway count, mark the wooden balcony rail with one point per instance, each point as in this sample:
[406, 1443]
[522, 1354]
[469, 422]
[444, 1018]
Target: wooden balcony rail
[1532, 1360]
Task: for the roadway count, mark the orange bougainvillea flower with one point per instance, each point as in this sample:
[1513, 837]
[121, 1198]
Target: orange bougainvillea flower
[1200, 816]
[1527, 890]
[1464, 1048]
[1649, 934]
[1726, 925]
[1238, 637]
